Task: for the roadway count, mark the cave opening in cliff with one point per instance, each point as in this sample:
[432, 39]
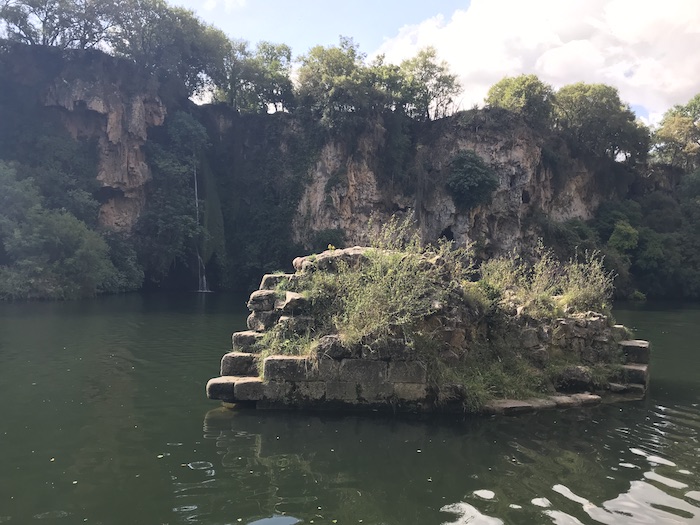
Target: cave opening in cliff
[447, 234]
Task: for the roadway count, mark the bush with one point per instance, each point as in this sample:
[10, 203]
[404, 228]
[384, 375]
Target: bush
[471, 181]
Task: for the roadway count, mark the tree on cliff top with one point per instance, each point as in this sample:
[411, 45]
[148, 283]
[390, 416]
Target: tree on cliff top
[169, 41]
[258, 80]
[526, 95]
[593, 118]
[80, 24]
[677, 141]
[432, 88]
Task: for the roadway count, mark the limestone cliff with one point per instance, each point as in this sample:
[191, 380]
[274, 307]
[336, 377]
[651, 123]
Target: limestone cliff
[103, 99]
[346, 187]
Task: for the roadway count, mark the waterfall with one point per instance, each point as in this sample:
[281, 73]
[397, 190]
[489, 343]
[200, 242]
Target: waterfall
[201, 268]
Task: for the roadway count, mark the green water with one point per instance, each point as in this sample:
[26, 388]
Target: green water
[104, 421]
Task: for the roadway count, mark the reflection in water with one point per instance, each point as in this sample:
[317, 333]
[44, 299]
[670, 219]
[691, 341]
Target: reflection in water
[607, 465]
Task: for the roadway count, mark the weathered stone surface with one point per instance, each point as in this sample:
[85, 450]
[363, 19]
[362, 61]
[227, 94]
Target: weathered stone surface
[276, 390]
[391, 350]
[327, 369]
[262, 300]
[508, 407]
[341, 391]
[541, 403]
[528, 338]
[238, 364]
[636, 351]
[636, 373]
[452, 392]
[248, 389]
[619, 332]
[410, 391]
[363, 371]
[221, 388]
[271, 281]
[374, 391]
[286, 368]
[309, 391]
[329, 260]
[586, 399]
[245, 341]
[261, 321]
[295, 324]
[293, 303]
[565, 401]
[332, 347]
[574, 379]
[626, 388]
[407, 372]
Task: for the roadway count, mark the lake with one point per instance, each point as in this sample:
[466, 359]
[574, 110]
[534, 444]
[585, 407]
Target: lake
[104, 420]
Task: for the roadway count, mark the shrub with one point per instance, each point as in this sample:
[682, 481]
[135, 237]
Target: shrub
[471, 181]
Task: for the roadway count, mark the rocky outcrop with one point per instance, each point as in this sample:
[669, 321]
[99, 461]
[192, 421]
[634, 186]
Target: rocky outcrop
[118, 118]
[347, 188]
[101, 99]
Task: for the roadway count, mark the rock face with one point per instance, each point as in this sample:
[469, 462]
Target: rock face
[102, 99]
[346, 187]
[393, 375]
[104, 108]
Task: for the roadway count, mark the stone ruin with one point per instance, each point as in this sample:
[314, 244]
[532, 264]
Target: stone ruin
[393, 377]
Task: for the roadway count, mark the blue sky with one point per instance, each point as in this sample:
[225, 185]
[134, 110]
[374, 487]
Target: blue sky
[647, 49]
[302, 24]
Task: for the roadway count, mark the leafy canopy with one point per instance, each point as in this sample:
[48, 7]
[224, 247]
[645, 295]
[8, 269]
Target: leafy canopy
[526, 95]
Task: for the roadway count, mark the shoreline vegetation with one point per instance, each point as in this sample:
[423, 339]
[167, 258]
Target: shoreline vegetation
[502, 329]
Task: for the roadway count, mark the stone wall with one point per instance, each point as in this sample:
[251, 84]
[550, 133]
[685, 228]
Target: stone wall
[394, 376]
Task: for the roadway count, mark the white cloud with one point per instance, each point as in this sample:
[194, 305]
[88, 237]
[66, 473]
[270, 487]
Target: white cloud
[646, 48]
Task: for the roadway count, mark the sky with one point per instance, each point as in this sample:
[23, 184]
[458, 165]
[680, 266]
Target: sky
[648, 49]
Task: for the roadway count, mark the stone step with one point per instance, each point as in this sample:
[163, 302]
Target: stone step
[636, 351]
[286, 368]
[636, 373]
[245, 341]
[627, 388]
[239, 364]
[232, 389]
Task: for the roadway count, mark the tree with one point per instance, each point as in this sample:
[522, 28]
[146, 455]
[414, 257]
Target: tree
[593, 118]
[331, 83]
[677, 141]
[258, 80]
[431, 86]
[80, 24]
[37, 22]
[526, 95]
[170, 42]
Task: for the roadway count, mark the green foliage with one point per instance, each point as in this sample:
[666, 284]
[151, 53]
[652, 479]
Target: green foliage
[171, 42]
[677, 140]
[46, 253]
[258, 80]
[430, 85]
[168, 231]
[624, 237]
[471, 181]
[549, 288]
[595, 120]
[526, 95]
